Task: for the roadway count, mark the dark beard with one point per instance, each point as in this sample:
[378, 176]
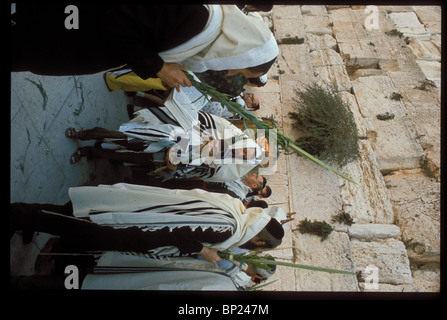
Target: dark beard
[249, 246]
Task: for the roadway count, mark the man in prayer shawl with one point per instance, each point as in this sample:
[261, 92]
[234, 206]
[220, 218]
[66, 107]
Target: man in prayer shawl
[155, 41]
[154, 136]
[125, 271]
[143, 219]
[129, 271]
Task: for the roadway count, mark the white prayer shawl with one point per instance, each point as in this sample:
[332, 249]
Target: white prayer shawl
[149, 125]
[242, 41]
[160, 280]
[117, 205]
[239, 188]
[126, 271]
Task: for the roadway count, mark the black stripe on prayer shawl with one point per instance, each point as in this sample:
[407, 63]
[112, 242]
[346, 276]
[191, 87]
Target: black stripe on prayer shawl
[152, 129]
[213, 124]
[203, 120]
[168, 205]
[202, 224]
[208, 120]
[182, 208]
[196, 210]
[163, 116]
[93, 212]
[148, 134]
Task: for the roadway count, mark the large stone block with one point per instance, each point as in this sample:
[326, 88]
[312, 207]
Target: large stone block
[286, 12]
[318, 25]
[424, 50]
[316, 42]
[313, 190]
[389, 256]
[330, 70]
[395, 145]
[289, 29]
[374, 96]
[430, 16]
[416, 202]
[359, 54]
[313, 10]
[369, 200]
[431, 70]
[372, 231]
[295, 60]
[333, 253]
[409, 24]
[351, 102]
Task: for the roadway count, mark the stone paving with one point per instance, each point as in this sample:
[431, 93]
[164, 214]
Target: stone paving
[42, 107]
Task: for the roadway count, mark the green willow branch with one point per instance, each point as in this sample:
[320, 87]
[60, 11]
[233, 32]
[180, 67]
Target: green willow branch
[284, 141]
[260, 262]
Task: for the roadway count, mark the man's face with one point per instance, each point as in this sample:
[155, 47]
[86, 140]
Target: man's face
[262, 192]
[254, 180]
[250, 100]
[246, 73]
[253, 243]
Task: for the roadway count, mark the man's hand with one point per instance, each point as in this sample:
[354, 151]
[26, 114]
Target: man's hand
[210, 254]
[173, 76]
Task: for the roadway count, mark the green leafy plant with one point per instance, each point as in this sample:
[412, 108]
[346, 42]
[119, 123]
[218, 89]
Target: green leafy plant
[283, 141]
[327, 123]
[343, 217]
[319, 228]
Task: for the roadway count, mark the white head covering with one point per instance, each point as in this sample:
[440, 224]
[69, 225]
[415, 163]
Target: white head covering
[277, 213]
[244, 41]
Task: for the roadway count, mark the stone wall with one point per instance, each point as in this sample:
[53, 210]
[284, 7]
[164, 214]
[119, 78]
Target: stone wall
[393, 70]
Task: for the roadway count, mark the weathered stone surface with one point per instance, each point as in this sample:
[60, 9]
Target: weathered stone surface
[387, 74]
[286, 12]
[330, 70]
[384, 287]
[313, 190]
[295, 60]
[289, 29]
[408, 23]
[430, 16]
[407, 79]
[427, 280]
[373, 231]
[359, 53]
[316, 42]
[388, 255]
[350, 101]
[431, 70]
[317, 25]
[423, 110]
[394, 139]
[285, 280]
[369, 200]
[373, 96]
[332, 253]
[314, 10]
[416, 202]
[366, 73]
[424, 50]
[395, 145]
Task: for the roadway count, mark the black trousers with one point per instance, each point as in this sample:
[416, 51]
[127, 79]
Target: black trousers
[83, 235]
